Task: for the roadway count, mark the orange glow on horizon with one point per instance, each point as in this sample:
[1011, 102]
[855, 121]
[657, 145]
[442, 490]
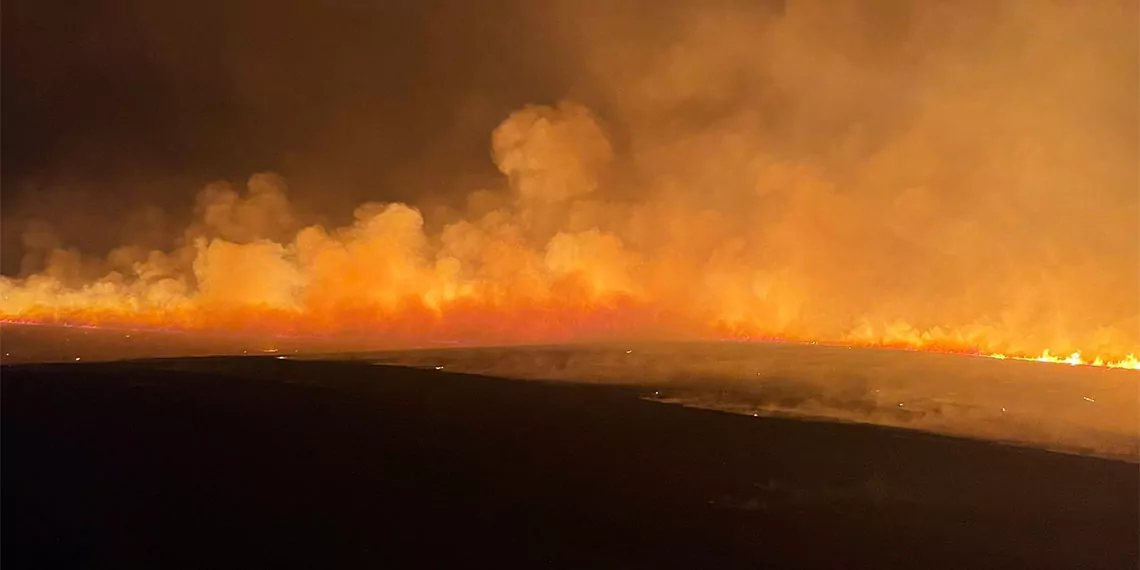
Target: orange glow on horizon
[470, 323]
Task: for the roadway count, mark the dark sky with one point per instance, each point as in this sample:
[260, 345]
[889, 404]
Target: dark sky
[112, 104]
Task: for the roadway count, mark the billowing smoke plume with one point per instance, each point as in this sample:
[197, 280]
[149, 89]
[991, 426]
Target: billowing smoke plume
[959, 175]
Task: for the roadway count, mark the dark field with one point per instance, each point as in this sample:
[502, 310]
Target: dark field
[259, 462]
[1077, 409]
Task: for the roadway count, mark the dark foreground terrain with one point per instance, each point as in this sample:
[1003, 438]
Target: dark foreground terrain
[266, 463]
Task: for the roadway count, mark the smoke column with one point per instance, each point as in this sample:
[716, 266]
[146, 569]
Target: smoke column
[941, 175]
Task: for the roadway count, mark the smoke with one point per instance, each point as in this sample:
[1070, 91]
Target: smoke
[958, 175]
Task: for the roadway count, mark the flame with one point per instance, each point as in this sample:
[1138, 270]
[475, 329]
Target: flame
[1129, 362]
[469, 320]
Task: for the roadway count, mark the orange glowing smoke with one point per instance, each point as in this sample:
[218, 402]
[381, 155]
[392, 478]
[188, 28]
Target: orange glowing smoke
[470, 313]
[549, 258]
[404, 303]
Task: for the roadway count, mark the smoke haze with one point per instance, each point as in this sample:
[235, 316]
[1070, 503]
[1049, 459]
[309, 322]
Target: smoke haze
[958, 175]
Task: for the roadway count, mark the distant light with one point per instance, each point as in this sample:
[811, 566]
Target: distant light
[900, 404]
[77, 360]
[126, 336]
[1088, 399]
[439, 368]
[1003, 409]
[629, 352]
[280, 358]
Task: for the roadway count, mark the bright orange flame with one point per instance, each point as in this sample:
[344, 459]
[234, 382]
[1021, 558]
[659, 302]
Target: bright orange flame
[953, 342]
[1129, 362]
[473, 321]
